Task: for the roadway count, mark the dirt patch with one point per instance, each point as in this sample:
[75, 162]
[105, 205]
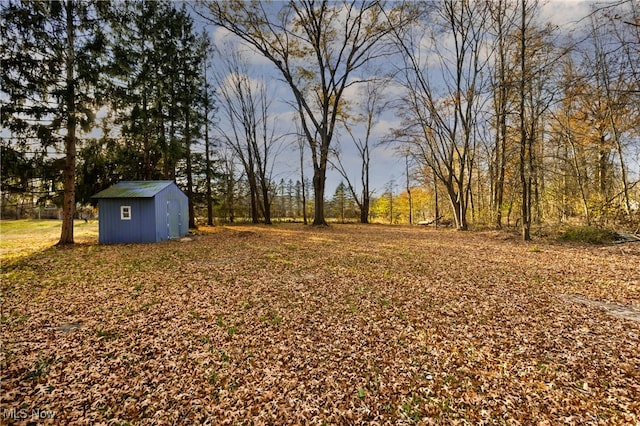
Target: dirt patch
[65, 328]
[619, 310]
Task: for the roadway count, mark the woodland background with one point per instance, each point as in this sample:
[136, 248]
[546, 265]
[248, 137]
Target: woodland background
[501, 118]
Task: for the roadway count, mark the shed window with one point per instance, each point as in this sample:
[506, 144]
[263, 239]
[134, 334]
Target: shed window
[125, 212]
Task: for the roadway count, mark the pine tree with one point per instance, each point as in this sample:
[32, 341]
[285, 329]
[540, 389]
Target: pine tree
[157, 80]
[143, 52]
[51, 58]
[190, 96]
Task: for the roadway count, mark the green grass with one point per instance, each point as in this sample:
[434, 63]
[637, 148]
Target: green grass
[21, 238]
[40, 368]
[588, 234]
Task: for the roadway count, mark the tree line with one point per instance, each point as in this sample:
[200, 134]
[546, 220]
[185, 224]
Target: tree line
[503, 117]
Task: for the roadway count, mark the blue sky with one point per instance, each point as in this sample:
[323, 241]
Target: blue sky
[386, 165]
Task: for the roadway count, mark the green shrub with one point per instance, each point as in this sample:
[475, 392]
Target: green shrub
[588, 234]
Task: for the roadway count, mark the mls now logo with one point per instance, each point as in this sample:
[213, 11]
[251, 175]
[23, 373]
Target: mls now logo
[23, 414]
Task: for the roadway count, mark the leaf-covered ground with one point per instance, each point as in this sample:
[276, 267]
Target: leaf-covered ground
[341, 325]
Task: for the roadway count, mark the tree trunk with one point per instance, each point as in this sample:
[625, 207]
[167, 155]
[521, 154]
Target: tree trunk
[364, 210]
[266, 204]
[435, 197]
[187, 136]
[68, 206]
[230, 198]
[319, 181]
[580, 178]
[406, 160]
[207, 147]
[366, 195]
[304, 189]
[500, 181]
[208, 173]
[625, 181]
[459, 210]
[147, 173]
[391, 204]
[455, 206]
[501, 118]
[253, 190]
[524, 181]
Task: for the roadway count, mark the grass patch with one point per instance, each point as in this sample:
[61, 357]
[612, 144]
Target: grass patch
[588, 234]
[195, 315]
[21, 238]
[410, 409]
[213, 378]
[273, 318]
[106, 334]
[40, 368]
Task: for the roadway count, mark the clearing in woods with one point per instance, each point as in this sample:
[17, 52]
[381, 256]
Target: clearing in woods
[348, 324]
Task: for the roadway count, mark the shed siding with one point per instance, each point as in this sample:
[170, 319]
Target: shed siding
[140, 228]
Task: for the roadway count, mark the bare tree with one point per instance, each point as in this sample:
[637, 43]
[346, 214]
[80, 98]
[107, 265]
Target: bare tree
[525, 140]
[568, 136]
[537, 61]
[593, 126]
[439, 118]
[316, 47]
[502, 24]
[371, 109]
[613, 96]
[227, 160]
[244, 102]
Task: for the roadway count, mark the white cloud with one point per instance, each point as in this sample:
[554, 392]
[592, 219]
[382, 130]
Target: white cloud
[227, 41]
[221, 36]
[565, 14]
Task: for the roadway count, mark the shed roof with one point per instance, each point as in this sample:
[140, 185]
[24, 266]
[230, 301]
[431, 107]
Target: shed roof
[134, 189]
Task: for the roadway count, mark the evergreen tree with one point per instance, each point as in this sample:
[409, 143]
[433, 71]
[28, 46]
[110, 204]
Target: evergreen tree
[191, 96]
[141, 80]
[339, 201]
[51, 53]
[154, 80]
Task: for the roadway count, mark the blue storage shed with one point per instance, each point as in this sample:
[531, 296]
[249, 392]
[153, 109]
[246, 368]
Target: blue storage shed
[142, 212]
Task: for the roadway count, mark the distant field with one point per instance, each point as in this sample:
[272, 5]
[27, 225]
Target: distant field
[291, 324]
[19, 238]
